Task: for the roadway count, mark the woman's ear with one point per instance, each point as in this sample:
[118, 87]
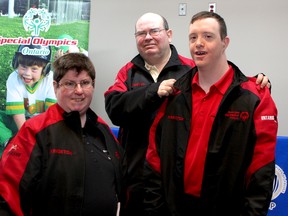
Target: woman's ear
[55, 86]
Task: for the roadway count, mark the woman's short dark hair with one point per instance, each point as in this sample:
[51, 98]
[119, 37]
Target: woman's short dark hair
[74, 61]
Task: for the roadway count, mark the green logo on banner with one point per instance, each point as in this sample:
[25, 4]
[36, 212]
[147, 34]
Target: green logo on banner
[36, 20]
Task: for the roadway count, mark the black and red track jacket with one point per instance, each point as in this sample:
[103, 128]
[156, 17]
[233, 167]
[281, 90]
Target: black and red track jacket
[240, 161]
[131, 103]
[42, 169]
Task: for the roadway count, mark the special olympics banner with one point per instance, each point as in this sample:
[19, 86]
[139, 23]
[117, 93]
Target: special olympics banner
[43, 29]
[279, 203]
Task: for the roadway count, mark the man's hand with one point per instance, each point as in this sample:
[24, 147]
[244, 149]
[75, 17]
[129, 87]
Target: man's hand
[263, 81]
[166, 87]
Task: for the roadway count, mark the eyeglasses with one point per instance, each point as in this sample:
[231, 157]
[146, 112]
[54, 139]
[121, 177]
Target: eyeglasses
[71, 85]
[152, 32]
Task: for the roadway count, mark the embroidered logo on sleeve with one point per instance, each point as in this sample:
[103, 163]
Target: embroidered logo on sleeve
[13, 150]
[269, 118]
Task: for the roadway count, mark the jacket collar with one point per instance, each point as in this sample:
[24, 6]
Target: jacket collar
[184, 83]
[174, 59]
[72, 119]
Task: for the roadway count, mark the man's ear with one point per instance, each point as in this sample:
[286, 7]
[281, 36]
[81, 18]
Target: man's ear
[169, 33]
[226, 42]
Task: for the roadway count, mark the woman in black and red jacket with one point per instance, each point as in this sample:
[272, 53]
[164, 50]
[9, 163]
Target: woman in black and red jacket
[65, 161]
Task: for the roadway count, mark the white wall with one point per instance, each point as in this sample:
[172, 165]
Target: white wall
[258, 31]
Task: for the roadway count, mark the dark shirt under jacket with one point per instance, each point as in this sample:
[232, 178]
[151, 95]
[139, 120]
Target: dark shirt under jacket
[100, 176]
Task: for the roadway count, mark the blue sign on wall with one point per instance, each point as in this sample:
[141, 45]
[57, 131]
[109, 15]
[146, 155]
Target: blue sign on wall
[279, 202]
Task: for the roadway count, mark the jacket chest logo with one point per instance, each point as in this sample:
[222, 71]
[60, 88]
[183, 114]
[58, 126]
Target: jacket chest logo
[237, 115]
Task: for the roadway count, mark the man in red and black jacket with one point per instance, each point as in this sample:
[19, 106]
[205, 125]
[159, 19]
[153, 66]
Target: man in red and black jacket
[212, 144]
